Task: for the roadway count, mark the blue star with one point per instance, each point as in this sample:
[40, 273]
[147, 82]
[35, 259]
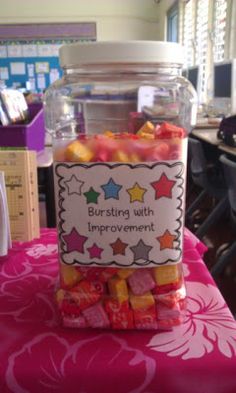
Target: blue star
[111, 189]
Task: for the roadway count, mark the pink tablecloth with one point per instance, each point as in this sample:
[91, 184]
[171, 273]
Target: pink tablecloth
[39, 356]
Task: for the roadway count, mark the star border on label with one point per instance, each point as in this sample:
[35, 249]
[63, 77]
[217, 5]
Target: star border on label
[136, 193]
[111, 189]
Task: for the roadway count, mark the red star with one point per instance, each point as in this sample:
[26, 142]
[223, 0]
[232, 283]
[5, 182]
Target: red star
[166, 240]
[118, 247]
[163, 187]
[74, 241]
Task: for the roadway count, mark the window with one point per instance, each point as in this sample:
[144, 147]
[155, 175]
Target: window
[188, 34]
[201, 43]
[219, 30]
[204, 37]
[172, 23]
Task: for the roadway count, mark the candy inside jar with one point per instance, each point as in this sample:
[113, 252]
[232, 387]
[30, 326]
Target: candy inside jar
[120, 228]
[165, 142]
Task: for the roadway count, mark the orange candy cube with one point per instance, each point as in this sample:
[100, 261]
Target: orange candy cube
[78, 152]
[85, 294]
[118, 289]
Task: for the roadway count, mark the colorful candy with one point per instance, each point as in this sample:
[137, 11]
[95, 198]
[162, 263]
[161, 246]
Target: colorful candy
[142, 302]
[85, 294]
[141, 281]
[96, 316]
[145, 318]
[150, 143]
[132, 297]
[69, 276]
[78, 152]
[168, 274]
[118, 289]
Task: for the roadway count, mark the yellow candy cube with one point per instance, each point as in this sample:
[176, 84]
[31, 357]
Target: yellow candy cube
[118, 289]
[166, 274]
[146, 135]
[69, 275]
[109, 133]
[147, 128]
[60, 296]
[125, 273]
[144, 301]
[134, 158]
[76, 151]
[120, 156]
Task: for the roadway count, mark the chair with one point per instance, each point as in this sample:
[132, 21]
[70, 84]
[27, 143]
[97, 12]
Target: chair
[211, 181]
[229, 167]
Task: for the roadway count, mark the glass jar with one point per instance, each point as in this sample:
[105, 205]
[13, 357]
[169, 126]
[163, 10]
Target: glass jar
[120, 117]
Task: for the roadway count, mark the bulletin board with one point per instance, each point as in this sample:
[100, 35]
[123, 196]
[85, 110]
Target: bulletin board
[29, 53]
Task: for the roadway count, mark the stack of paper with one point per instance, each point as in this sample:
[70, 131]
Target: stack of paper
[5, 236]
[20, 168]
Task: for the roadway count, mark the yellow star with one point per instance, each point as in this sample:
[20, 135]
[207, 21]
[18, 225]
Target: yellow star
[136, 193]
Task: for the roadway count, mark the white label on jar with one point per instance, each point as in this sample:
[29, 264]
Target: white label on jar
[115, 214]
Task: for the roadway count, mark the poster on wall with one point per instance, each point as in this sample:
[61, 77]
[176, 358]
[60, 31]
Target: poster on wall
[4, 73]
[41, 82]
[17, 68]
[55, 49]
[31, 52]
[42, 67]
[54, 75]
[3, 51]
[45, 50]
[30, 69]
[14, 50]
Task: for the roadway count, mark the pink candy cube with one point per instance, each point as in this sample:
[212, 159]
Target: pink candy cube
[145, 318]
[141, 282]
[164, 312]
[96, 316]
[78, 322]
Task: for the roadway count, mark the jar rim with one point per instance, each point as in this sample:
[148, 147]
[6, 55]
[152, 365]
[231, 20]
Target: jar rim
[117, 52]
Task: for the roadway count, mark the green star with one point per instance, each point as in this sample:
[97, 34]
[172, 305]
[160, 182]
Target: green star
[92, 196]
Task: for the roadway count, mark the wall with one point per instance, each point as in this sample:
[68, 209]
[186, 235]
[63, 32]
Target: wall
[123, 19]
[231, 31]
[163, 7]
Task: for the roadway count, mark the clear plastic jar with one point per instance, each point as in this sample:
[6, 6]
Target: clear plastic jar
[120, 118]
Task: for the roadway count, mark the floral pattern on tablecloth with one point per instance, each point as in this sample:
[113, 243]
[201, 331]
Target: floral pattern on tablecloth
[39, 356]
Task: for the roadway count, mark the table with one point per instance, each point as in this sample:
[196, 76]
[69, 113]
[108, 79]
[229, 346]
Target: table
[227, 149]
[37, 355]
[209, 135]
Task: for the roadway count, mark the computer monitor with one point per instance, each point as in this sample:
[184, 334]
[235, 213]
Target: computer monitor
[224, 87]
[185, 73]
[194, 75]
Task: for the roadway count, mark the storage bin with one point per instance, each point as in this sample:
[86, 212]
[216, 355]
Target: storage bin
[30, 136]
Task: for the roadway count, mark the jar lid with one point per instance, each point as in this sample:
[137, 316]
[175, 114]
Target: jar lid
[108, 52]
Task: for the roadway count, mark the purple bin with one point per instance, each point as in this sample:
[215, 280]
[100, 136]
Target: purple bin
[30, 135]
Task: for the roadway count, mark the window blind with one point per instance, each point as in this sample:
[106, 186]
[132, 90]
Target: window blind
[219, 29]
[188, 33]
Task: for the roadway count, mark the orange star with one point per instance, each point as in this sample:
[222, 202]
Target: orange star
[166, 240]
[118, 247]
